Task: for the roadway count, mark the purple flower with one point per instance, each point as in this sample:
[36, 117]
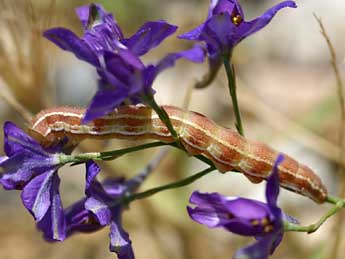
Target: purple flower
[244, 217]
[33, 169]
[102, 33]
[103, 206]
[224, 28]
[123, 76]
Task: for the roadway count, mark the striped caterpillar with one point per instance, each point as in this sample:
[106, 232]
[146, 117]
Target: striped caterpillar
[199, 135]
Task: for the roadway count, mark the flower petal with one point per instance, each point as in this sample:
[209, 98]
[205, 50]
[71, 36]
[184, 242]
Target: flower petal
[208, 217]
[195, 54]
[92, 170]
[16, 140]
[67, 40]
[17, 170]
[83, 14]
[261, 249]
[100, 209]
[119, 239]
[149, 36]
[193, 34]
[53, 223]
[237, 207]
[248, 28]
[224, 6]
[104, 102]
[272, 189]
[36, 195]
[219, 34]
[99, 17]
[78, 219]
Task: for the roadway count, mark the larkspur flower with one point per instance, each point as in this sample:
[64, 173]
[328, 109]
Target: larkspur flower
[103, 206]
[33, 169]
[245, 217]
[123, 76]
[102, 33]
[224, 28]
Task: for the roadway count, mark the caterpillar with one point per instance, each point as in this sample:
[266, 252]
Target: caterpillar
[198, 134]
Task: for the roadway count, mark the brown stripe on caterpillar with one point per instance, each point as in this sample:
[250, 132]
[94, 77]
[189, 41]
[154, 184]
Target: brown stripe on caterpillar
[199, 135]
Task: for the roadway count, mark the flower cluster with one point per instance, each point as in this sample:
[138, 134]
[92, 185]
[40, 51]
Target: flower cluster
[34, 170]
[123, 77]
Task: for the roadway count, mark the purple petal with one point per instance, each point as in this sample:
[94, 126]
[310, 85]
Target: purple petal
[115, 187]
[220, 34]
[193, 34]
[36, 195]
[238, 207]
[247, 208]
[262, 248]
[123, 56]
[99, 17]
[92, 170]
[208, 217]
[150, 35]
[78, 219]
[119, 239]
[272, 188]
[104, 102]
[225, 6]
[248, 28]
[67, 40]
[16, 140]
[244, 227]
[53, 223]
[17, 170]
[83, 14]
[213, 218]
[258, 250]
[100, 209]
[195, 54]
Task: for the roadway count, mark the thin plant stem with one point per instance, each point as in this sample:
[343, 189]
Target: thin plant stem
[341, 172]
[230, 73]
[313, 227]
[178, 184]
[162, 115]
[107, 155]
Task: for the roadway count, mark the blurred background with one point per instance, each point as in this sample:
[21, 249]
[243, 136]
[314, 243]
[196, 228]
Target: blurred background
[287, 94]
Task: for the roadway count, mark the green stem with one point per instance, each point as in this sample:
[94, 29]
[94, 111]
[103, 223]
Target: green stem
[162, 115]
[184, 182]
[108, 155]
[230, 73]
[313, 227]
[333, 199]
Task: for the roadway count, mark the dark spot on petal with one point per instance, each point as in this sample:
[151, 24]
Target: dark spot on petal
[229, 216]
